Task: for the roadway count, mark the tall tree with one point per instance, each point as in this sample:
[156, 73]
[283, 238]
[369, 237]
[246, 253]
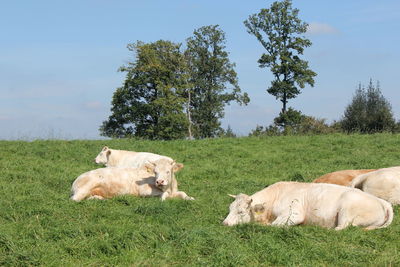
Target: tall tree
[368, 111]
[279, 30]
[150, 103]
[213, 80]
[355, 114]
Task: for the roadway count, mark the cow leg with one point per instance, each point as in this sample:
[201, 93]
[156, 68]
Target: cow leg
[357, 214]
[97, 193]
[78, 196]
[182, 195]
[293, 216]
[343, 220]
[342, 226]
[96, 197]
[164, 196]
[288, 220]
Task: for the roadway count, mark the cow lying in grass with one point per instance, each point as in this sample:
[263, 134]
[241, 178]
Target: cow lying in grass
[382, 183]
[122, 158]
[153, 179]
[343, 177]
[326, 205]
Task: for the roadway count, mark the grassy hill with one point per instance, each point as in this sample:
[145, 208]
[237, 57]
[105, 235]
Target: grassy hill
[39, 225]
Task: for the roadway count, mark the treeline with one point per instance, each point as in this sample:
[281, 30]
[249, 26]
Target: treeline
[175, 90]
[368, 112]
[179, 90]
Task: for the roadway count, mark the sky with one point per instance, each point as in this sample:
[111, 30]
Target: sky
[59, 60]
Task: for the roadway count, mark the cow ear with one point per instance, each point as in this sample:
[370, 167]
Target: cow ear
[249, 201]
[108, 153]
[177, 166]
[149, 167]
[105, 148]
[234, 196]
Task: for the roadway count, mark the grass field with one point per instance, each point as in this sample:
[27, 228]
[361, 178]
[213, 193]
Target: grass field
[39, 225]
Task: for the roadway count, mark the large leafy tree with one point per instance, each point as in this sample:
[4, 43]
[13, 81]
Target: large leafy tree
[213, 81]
[150, 102]
[279, 30]
[368, 111]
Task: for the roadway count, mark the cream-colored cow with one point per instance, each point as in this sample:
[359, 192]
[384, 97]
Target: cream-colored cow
[123, 158]
[343, 177]
[382, 183]
[153, 179]
[326, 205]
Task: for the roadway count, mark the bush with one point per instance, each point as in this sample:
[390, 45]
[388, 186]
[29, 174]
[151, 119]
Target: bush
[293, 122]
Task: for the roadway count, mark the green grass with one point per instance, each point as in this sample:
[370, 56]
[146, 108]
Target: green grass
[39, 225]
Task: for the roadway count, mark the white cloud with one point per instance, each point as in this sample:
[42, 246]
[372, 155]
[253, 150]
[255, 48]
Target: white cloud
[316, 28]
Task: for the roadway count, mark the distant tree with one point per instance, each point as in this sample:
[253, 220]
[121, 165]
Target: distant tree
[312, 125]
[368, 112]
[279, 31]
[213, 81]
[291, 118]
[258, 131]
[150, 104]
[228, 132]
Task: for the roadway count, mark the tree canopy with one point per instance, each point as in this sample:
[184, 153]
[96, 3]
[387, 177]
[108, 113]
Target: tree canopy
[171, 93]
[211, 73]
[279, 30]
[150, 102]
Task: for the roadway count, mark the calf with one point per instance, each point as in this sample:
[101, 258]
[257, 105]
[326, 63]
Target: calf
[382, 183]
[326, 205]
[343, 177]
[122, 158]
[153, 179]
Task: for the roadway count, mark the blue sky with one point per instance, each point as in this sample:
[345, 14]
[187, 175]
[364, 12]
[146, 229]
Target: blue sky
[59, 59]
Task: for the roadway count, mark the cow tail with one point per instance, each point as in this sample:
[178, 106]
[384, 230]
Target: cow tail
[388, 211]
[357, 182]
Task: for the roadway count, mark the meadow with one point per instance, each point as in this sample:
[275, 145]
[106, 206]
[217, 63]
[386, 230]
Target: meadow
[39, 225]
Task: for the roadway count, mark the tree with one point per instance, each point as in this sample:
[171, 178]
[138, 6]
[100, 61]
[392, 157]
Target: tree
[279, 31]
[211, 73]
[227, 133]
[150, 103]
[291, 118]
[368, 111]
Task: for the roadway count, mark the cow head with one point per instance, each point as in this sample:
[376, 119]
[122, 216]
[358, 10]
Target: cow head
[102, 157]
[239, 210]
[163, 170]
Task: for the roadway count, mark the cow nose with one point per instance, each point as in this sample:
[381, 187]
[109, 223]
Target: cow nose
[159, 182]
[225, 223]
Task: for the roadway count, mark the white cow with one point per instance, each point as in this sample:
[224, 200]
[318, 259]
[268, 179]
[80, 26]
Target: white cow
[123, 158]
[382, 183]
[326, 205]
[153, 179]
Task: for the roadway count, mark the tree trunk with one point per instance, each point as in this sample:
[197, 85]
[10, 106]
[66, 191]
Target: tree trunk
[190, 136]
[284, 101]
